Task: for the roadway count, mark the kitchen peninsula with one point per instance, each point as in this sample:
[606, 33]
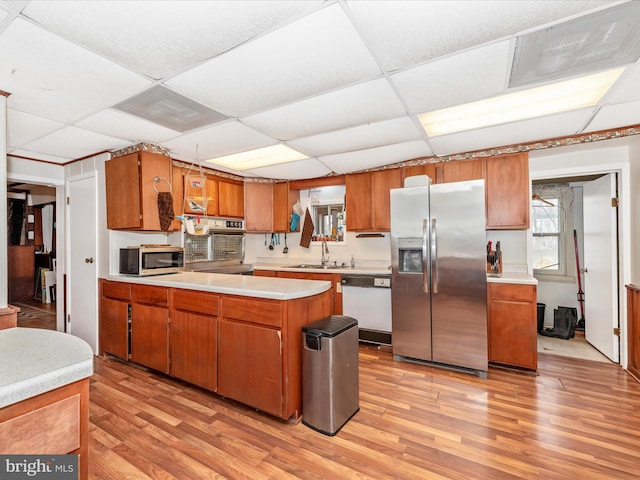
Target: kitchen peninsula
[235, 335]
[44, 393]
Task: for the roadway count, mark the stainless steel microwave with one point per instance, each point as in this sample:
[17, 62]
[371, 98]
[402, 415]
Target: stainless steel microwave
[151, 260]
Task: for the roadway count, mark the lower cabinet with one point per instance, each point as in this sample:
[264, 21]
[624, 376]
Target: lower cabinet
[244, 348]
[250, 365]
[512, 325]
[633, 329]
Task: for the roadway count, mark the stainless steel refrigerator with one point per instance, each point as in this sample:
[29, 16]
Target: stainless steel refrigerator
[439, 284]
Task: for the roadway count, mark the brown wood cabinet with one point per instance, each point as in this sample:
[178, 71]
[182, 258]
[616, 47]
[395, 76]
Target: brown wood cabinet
[132, 201]
[367, 202]
[52, 423]
[512, 325]
[268, 206]
[230, 198]
[633, 329]
[507, 191]
[463, 170]
[114, 312]
[334, 278]
[432, 170]
[193, 342]
[244, 348]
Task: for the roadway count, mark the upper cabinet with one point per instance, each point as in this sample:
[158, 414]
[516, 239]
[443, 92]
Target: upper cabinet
[368, 199]
[268, 206]
[132, 185]
[230, 198]
[463, 170]
[508, 192]
[432, 170]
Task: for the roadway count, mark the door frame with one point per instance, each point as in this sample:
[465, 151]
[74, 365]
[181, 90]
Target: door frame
[623, 170]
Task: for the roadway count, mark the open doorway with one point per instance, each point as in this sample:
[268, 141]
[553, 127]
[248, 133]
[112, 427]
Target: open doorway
[561, 208]
[31, 252]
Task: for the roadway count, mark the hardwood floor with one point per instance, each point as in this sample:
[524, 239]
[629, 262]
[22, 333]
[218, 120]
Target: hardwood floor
[576, 419]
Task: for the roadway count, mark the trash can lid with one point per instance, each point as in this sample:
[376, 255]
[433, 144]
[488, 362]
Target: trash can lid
[330, 326]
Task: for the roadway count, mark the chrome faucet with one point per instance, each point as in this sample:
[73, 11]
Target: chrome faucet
[324, 248]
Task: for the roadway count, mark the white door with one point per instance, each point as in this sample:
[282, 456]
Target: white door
[82, 241]
[601, 266]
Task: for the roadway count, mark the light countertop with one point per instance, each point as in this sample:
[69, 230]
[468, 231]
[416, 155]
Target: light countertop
[35, 361]
[244, 285]
[521, 278]
[372, 267]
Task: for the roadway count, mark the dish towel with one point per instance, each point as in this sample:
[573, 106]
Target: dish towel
[165, 210]
[307, 230]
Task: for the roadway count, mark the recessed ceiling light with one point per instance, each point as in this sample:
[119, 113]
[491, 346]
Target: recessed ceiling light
[535, 102]
[261, 157]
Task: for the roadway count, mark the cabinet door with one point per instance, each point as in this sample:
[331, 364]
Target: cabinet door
[281, 207]
[513, 325]
[149, 336]
[463, 170]
[381, 183]
[193, 348]
[250, 366]
[258, 201]
[177, 192]
[507, 190]
[122, 184]
[114, 326]
[633, 325]
[212, 196]
[358, 192]
[230, 199]
[153, 166]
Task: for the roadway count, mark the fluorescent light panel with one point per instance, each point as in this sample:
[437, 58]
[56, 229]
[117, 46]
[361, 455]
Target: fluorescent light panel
[535, 102]
[261, 157]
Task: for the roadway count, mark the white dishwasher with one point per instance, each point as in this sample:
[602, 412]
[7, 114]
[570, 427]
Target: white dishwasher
[367, 298]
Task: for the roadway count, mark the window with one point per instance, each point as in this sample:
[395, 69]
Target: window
[328, 221]
[552, 227]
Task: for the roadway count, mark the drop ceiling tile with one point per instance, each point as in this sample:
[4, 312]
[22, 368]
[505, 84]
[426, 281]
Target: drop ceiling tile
[3, 15]
[457, 79]
[75, 142]
[614, 116]
[128, 127]
[406, 33]
[24, 127]
[216, 141]
[626, 88]
[551, 126]
[307, 168]
[375, 157]
[319, 52]
[162, 38]
[370, 135]
[55, 79]
[360, 104]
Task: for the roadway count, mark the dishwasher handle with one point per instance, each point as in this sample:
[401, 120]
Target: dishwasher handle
[366, 281]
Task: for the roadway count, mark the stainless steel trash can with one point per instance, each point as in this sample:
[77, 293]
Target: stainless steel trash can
[330, 390]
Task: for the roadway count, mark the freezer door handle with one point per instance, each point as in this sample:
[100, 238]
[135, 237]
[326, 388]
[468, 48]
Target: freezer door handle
[434, 255]
[425, 262]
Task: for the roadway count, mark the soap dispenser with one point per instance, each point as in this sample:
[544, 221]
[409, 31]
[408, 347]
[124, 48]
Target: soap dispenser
[353, 262]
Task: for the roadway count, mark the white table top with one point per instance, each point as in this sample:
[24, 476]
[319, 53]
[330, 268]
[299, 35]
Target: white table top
[35, 361]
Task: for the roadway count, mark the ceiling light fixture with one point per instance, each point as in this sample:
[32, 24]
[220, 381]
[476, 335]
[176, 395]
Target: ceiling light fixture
[534, 102]
[261, 157]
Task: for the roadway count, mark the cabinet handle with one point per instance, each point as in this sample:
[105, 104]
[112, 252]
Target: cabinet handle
[88, 260]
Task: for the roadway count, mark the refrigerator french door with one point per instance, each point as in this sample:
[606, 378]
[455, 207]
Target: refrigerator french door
[439, 289]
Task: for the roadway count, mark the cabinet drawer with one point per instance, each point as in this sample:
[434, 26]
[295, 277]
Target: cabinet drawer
[117, 290]
[263, 312]
[512, 292]
[151, 295]
[197, 302]
[51, 429]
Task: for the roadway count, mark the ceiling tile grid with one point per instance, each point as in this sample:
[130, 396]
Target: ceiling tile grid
[341, 81]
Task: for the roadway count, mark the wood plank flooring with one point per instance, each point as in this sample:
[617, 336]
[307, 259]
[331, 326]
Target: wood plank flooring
[575, 419]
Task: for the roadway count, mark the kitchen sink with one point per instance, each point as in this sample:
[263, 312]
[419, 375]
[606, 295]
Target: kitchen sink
[310, 266]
